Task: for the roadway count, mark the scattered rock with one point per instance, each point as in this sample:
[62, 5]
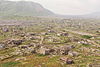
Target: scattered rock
[63, 34]
[73, 53]
[74, 39]
[6, 56]
[15, 42]
[5, 29]
[20, 59]
[87, 42]
[51, 31]
[44, 51]
[62, 50]
[30, 34]
[2, 46]
[34, 38]
[44, 33]
[94, 65]
[67, 60]
[22, 34]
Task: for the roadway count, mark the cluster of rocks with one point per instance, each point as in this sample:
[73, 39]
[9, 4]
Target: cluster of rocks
[14, 42]
[44, 50]
[63, 34]
[23, 50]
[11, 43]
[84, 41]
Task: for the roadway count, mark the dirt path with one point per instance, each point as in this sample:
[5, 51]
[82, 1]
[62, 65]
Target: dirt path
[81, 33]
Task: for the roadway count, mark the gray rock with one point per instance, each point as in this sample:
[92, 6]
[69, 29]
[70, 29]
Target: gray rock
[30, 34]
[5, 30]
[44, 51]
[63, 34]
[73, 53]
[67, 60]
[2, 46]
[20, 59]
[15, 42]
[62, 50]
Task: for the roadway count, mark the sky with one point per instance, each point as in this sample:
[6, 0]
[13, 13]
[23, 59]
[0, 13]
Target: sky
[70, 7]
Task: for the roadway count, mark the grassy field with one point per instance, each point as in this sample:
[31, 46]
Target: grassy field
[51, 33]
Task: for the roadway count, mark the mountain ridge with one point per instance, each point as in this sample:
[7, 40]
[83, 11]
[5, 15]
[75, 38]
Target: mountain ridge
[23, 8]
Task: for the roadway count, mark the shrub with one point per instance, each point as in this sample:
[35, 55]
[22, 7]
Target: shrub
[87, 36]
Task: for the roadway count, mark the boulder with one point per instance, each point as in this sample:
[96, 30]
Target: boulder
[15, 42]
[44, 33]
[73, 53]
[44, 51]
[30, 34]
[62, 50]
[28, 50]
[22, 34]
[51, 31]
[34, 37]
[2, 46]
[67, 60]
[5, 29]
[86, 42]
[63, 34]
[20, 59]
[74, 39]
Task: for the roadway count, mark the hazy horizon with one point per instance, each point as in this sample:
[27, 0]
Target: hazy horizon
[69, 7]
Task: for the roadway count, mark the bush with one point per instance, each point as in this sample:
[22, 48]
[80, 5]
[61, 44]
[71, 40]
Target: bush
[87, 36]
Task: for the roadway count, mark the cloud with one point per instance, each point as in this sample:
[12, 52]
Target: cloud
[70, 6]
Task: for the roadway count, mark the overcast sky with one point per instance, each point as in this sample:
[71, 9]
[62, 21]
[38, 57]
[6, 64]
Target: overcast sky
[70, 7]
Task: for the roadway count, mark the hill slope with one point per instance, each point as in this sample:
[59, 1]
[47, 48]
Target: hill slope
[22, 8]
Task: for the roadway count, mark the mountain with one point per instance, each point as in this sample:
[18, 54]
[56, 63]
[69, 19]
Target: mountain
[22, 8]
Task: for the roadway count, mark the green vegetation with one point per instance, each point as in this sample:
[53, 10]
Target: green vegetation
[87, 36]
[9, 64]
[86, 45]
[9, 8]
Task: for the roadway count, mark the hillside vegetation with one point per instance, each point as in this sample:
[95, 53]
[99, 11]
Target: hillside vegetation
[49, 42]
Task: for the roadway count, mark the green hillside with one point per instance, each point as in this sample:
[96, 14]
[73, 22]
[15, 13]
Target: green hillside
[22, 8]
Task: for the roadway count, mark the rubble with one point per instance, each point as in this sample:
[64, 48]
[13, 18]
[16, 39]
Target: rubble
[88, 42]
[67, 60]
[44, 51]
[14, 42]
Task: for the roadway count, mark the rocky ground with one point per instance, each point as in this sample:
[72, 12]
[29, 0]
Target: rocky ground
[50, 43]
